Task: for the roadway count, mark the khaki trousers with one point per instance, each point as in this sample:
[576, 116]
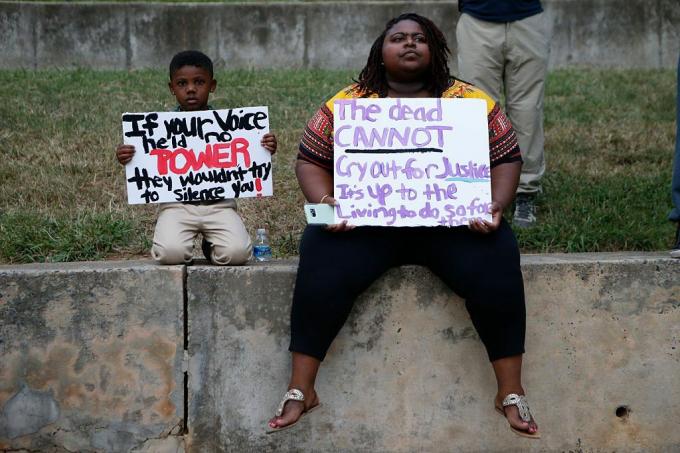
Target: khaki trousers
[178, 225]
[511, 59]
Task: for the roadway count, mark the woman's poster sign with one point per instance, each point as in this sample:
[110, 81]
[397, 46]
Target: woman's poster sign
[197, 156]
[411, 162]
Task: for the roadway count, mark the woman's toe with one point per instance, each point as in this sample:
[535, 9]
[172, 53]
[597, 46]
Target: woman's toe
[524, 426]
[273, 423]
[529, 427]
[516, 422]
[533, 428]
[290, 415]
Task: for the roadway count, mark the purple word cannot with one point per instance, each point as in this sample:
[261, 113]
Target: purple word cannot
[412, 137]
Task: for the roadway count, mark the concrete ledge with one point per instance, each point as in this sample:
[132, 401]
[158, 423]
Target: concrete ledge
[90, 356]
[408, 373]
[91, 360]
[598, 33]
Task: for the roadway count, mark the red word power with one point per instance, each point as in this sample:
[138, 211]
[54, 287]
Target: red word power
[218, 155]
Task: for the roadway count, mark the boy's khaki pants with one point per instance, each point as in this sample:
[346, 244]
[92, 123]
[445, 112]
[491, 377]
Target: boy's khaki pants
[512, 59]
[179, 223]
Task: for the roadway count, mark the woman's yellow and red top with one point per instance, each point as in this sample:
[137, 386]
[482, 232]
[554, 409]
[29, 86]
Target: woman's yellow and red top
[316, 145]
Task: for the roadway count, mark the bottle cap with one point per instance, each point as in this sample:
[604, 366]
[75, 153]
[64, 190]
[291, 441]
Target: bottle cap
[261, 231]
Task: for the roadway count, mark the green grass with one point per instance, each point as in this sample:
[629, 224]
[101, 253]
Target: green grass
[609, 141]
[205, 1]
[31, 237]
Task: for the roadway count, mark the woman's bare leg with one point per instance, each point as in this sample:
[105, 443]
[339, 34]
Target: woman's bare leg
[303, 376]
[509, 379]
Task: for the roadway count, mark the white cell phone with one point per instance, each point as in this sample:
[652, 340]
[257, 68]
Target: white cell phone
[320, 214]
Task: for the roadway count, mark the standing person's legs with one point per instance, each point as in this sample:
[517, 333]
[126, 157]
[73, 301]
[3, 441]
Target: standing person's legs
[223, 228]
[334, 269]
[480, 53]
[173, 239]
[525, 72]
[674, 215]
[485, 271]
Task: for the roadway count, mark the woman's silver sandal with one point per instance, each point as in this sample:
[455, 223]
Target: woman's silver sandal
[291, 395]
[513, 399]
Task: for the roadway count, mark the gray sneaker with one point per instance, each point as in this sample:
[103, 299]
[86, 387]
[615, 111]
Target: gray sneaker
[525, 211]
[675, 251]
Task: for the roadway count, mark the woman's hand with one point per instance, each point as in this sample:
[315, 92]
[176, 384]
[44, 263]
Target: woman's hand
[504, 180]
[338, 227]
[482, 226]
[317, 185]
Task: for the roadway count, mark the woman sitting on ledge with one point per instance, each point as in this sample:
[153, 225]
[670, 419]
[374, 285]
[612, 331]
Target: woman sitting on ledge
[479, 262]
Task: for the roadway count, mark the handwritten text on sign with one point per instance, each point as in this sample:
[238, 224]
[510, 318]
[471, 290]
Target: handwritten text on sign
[411, 162]
[197, 156]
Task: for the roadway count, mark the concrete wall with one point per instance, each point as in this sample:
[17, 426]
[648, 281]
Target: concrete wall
[600, 33]
[90, 360]
[91, 357]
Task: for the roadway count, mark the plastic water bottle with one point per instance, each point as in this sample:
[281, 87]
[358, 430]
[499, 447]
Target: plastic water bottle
[261, 249]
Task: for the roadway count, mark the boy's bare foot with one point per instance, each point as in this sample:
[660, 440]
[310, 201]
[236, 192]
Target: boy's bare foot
[512, 415]
[293, 410]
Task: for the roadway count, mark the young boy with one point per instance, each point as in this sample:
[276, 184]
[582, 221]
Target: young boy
[225, 239]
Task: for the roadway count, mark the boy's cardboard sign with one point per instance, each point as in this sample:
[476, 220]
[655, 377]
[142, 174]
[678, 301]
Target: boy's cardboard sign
[411, 162]
[197, 156]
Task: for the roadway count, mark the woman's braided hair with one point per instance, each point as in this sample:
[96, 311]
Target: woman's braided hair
[372, 77]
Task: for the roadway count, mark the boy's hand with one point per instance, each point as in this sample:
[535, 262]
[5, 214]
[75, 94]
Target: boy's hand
[124, 153]
[269, 142]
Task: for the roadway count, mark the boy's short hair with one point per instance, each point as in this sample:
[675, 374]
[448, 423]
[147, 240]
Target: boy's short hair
[191, 58]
